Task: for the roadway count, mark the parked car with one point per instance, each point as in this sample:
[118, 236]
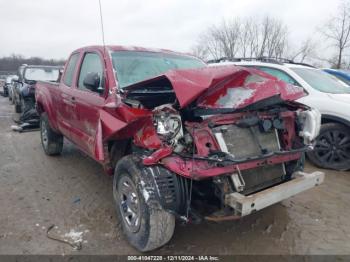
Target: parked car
[329, 96]
[7, 84]
[342, 75]
[2, 82]
[30, 74]
[17, 87]
[29, 117]
[182, 139]
[11, 87]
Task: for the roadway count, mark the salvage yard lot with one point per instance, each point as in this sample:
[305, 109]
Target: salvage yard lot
[72, 192]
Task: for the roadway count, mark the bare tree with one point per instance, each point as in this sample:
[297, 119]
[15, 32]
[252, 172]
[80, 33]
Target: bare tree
[12, 62]
[199, 50]
[337, 31]
[228, 35]
[246, 37]
[306, 49]
[211, 44]
[273, 34]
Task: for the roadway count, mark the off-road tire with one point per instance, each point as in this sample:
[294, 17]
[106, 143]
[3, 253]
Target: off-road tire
[157, 226]
[51, 141]
[326, 138]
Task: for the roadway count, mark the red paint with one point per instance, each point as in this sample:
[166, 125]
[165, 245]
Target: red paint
[91, 120]
[157, 156]
[146, 136]
[212, 83]
[198, 169]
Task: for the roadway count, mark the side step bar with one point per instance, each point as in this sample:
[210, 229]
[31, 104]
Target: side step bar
[245, 205]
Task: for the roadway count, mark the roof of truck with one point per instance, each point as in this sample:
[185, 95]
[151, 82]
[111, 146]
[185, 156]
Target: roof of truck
[131, 48]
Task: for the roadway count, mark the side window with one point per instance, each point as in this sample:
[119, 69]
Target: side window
[91, 64]
[279, 74]
[69, 73]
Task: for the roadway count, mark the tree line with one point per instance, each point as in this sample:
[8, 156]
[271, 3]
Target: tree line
[11, 63]
[253, 37]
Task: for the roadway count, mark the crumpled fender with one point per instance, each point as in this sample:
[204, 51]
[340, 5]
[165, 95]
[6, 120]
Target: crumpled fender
[136, 125]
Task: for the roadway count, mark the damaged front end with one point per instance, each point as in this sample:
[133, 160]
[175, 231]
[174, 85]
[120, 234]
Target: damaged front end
[219, 136]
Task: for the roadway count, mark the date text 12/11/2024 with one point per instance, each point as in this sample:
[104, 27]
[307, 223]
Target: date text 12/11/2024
[174, 258]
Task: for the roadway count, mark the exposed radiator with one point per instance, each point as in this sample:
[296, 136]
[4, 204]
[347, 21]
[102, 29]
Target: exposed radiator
[251, 142]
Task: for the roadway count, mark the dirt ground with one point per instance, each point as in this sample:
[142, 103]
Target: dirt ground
[72, 192]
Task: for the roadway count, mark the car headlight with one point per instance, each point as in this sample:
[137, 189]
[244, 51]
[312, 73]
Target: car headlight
[310, 121]
[167, 125]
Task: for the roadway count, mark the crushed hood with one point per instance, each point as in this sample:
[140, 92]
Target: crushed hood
[221, 86]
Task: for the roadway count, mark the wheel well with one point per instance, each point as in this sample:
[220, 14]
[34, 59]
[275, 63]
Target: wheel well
[40, 108]
[117, 149]
[334, 119]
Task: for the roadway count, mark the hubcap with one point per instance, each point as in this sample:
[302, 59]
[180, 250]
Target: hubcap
[44, 137]
[333, 147]
[129, 203]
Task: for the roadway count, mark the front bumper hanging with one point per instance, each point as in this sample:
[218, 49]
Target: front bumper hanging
[245, 205]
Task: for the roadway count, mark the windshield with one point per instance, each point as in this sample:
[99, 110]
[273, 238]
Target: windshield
[322, 81]
[132, 67]
[41, 74]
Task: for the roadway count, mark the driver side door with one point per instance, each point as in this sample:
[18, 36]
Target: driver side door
[89, 102]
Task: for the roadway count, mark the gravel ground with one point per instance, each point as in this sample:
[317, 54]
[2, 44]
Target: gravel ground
[72, 192]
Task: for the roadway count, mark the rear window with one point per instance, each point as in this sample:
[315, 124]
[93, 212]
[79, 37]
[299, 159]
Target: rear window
[41, 74]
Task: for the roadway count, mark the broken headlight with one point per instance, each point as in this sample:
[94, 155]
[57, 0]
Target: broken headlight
[168, 126]
[310, 121]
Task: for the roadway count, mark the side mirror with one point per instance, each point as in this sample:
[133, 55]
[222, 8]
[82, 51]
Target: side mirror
[60, 73]
[92, 82]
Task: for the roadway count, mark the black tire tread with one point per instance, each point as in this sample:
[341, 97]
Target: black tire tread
[55, 140]
[158, 225]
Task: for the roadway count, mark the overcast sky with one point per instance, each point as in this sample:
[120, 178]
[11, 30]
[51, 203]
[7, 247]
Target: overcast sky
[53, 28]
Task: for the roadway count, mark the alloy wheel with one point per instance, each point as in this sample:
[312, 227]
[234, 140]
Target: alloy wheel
[333, 147]
[129, 203]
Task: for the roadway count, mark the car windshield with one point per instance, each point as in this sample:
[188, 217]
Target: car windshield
[322, 81]
[134, 66]
[41, 74]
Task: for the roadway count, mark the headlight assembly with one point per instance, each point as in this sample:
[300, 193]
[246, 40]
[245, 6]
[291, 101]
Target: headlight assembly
[310, 121]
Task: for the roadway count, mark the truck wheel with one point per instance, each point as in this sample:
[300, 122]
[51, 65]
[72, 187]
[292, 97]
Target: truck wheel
[18, 108]
[23, 105]
[332, 147]
[51, 141]
[146, 225]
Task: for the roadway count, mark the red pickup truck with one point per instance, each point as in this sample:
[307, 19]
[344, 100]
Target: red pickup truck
[183, 140]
